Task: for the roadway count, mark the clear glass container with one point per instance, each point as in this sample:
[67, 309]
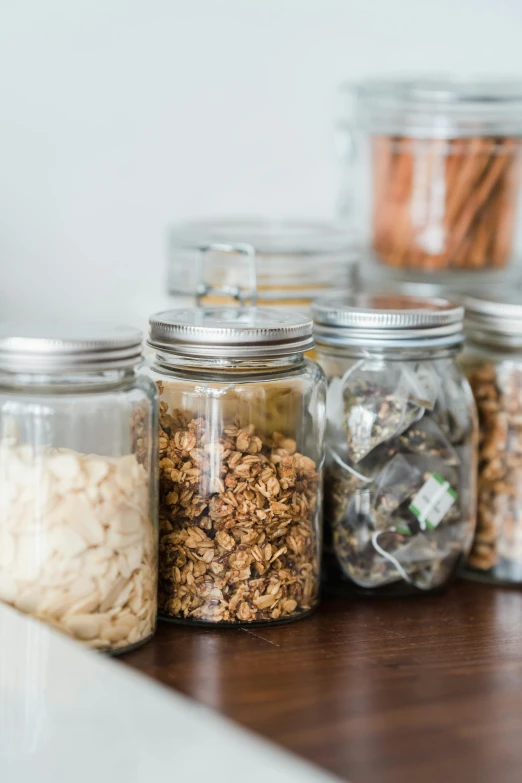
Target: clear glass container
[493, 363]
[241, 444]
[254, 261]
[78, 481]
[400, 477]
[432, 170]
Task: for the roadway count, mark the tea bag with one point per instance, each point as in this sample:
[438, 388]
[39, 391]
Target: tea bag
[397, 483]
[381, 400]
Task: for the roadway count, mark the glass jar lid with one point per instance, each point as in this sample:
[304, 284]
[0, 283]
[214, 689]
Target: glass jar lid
[388, 320]
[496, 320]
[439, 108]
[235, 332]
[62, 346]
[254, 259]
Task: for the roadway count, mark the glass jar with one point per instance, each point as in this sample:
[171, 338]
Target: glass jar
[401, 443]
[284, 264]
[78, 496]
[241, 457]
[433, 170]
[493, 364]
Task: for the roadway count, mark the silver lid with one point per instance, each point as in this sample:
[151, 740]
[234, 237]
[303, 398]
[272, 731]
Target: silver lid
[388, 320]
[61, 346]
[232, 332]
[496, 320]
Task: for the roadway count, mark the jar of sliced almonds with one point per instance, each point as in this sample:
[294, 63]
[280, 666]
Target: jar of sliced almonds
[240, 459]
[78, 498]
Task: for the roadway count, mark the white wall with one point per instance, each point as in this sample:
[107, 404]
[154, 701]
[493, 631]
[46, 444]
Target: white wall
[119, 116]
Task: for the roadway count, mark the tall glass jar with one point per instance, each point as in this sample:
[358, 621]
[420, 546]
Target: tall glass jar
[493, 364]
[78, 498]
[401, 443]
[432, 170]
[241, 455]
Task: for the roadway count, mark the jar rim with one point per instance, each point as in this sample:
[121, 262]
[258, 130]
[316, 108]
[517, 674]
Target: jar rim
[388, 319]
[439, 107]
[239, 332]
[495, 320]
[60, 346]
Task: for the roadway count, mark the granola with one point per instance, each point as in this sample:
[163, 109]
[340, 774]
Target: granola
[238, 539]
[498, 540]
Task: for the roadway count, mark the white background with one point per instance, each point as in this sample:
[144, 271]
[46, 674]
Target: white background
[120, 116]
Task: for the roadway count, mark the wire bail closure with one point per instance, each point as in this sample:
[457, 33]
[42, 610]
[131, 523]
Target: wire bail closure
[236, 292]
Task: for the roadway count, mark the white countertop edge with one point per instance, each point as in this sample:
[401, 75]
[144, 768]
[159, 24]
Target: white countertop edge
[70, 714]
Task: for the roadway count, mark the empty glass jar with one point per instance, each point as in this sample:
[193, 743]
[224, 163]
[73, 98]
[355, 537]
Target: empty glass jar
[78, 497]
[493, 364]
[240, 456]
[401, 442]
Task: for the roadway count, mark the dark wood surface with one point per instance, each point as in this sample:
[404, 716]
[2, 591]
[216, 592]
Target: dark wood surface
[409, 690]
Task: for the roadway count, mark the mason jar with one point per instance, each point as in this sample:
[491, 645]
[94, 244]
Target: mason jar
[78, 496]
[284, 264]
[400, 479]
[242, 415]
[431, 173]
[493, 363]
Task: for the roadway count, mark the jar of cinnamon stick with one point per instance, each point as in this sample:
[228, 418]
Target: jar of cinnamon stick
[437, 167]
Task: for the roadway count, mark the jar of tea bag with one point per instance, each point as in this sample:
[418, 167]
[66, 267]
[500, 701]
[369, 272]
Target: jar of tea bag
[401, 442]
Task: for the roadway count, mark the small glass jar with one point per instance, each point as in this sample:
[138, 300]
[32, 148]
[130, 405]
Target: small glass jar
[78, 496]
[401, 443]
[240, 456]
[276, 264]
[493, 364]
[433, 170]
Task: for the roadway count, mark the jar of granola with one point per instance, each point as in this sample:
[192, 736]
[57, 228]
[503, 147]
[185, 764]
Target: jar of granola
[401, 442]
[78, 499]
[240, 457]
[493, 364]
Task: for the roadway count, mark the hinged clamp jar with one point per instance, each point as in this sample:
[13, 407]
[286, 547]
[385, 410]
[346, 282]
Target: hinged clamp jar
[276, 264]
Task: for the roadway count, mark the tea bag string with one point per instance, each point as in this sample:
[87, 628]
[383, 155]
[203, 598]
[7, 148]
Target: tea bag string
[391, 559]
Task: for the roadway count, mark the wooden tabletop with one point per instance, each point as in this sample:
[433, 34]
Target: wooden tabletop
[409, 690]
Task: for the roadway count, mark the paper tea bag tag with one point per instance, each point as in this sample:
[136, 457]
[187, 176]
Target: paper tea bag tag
[433, 501]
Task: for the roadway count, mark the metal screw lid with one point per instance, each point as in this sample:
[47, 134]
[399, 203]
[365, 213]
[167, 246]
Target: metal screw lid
[62, 346]
[496, 320]
[232, 332]
[391, 320]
